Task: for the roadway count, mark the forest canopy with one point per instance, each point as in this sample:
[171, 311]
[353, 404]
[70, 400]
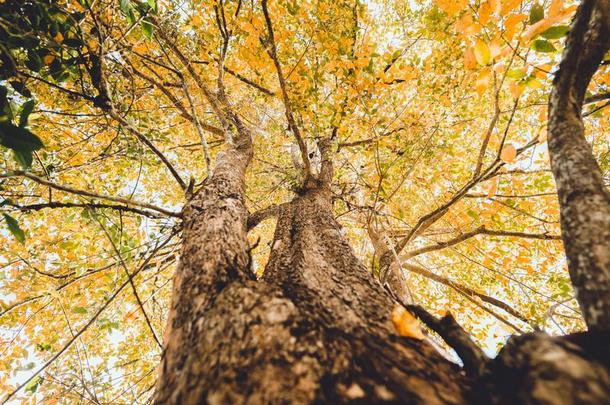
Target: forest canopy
[431, 115]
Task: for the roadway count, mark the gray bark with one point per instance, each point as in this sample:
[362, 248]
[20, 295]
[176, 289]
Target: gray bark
[583, 198]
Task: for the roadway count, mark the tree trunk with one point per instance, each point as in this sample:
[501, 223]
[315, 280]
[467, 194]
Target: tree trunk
[316, 329]
[583, 197]
[215, 252]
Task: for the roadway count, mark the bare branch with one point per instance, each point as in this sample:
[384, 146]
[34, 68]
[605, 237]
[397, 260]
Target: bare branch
[478, 231]
[54, 204]
[19, 173]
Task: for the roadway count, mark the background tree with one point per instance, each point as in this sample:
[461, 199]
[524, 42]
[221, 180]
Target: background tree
[373, 123]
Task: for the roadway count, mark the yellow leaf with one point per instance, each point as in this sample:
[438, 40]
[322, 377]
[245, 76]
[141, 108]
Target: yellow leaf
[48, 59]
[508, 154]
[406, 324]
[482, 53]
[59, 37]
[452, 7]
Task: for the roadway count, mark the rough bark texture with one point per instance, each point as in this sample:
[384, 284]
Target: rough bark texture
[317, 330]
[583, 198]
[215, 252]
[346, 313]
[539, 369]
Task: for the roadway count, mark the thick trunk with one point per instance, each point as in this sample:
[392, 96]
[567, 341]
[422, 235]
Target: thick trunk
[583, 198]
[346, 313]
[215, 252]
[317, 330]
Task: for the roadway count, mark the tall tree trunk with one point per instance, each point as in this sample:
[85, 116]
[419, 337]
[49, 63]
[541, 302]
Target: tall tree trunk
[215, 252]
[583, 197]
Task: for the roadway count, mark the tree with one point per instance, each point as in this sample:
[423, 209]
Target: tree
[344, 122]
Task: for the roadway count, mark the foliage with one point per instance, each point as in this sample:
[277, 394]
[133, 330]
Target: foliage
[436, 107]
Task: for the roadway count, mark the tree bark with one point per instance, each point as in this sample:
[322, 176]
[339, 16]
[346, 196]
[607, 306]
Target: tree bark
[346, 313]
[215, 252]
[583, 197]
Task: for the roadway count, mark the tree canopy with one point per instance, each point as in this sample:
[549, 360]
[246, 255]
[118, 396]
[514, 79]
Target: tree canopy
[434, 114]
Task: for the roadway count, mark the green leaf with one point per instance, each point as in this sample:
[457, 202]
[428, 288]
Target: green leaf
[18, 138]
[536, 13]
[541, 45]
[13, 226]
[33, 385]
[26, 110]
[533, 83]
[473, 215]
[147, 28]
[125, 6]
[556, 32]
[43, 347]
[516, 74]
[79, 310]
[24, 158]
[152, 4]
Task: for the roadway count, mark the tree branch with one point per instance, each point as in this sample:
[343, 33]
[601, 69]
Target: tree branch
[19, 173]
[478, 231]
[472, 356]
[53, 204]
[272, 51]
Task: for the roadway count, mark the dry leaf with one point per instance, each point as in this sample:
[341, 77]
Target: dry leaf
[406, 324]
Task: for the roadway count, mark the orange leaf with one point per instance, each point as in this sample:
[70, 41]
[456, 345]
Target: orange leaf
[510, 25]
[470, 61]
[406, 324]
[483, 81]
[492, 189]
[508, 154]
[452, 7]
[555, 7]
[508, 6]
[484, 12]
